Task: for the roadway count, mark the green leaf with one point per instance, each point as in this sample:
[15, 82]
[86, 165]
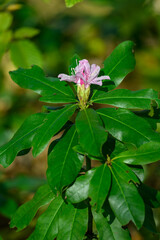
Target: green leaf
[5, 20]
[72, 223]
[125, 172]
[138, 170]
[5, 38]
[74, 61]
[79, 191]
[53, 123]
[47, 224]
[71, 3]
[125, 98]
[22, 139]
[120, 62]
[125, 200]
[63, 162]
[27, 211]
[25, 53]
[58, 98]
[145, 154]
[110, 230]
[36, 80]
[127, 127]
[99, 186]
[26, 32]
[89, 122]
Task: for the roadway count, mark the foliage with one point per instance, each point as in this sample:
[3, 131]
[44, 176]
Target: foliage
[121, 139]
[70, 3]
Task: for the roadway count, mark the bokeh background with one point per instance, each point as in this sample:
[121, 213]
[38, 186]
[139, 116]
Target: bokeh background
[46, 33]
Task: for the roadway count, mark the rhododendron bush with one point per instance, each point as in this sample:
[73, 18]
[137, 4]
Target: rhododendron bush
[100, 125]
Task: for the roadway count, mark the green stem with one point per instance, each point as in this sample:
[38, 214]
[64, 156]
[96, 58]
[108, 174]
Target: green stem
[90, 217]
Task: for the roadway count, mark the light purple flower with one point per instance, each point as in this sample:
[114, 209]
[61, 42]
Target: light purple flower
[84, 74]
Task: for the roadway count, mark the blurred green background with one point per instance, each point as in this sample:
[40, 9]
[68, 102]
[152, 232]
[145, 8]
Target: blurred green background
[46, 33]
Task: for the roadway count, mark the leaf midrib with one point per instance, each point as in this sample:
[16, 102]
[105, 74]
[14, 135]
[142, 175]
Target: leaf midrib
[66, 156]
[124, 125]
[46, 133]
[44, 83]
[28, 133]
[90, 126]
[134, 98]
[142, 154]
[33, 206]
[121, 192]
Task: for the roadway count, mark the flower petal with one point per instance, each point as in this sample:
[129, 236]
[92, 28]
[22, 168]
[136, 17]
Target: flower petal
[95, 69]
[68, 78]
[101, 78]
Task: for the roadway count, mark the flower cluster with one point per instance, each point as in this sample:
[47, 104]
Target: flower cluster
[85, 74]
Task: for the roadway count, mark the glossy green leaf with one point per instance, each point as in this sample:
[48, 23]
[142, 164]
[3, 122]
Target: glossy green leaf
[58, 98]
[127, 127]
[25, 53]
[71, 3]
[99, 186]
[27, 211]
[26, 32]
[125, 200]
[72, 223]
[138, 170]
[5, 20]
[63, 162]
[79, 191]
[109, 230]
[90, 123]
[47, 224]
[36, 80]
[22, 139]
[120, 62]
[53, 123]
[145, 154]
[125, 98]
[125, 172]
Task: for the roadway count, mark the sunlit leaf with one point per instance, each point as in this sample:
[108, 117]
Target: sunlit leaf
[26, 32]
[5, 20]
[25, 53]
[71, 3]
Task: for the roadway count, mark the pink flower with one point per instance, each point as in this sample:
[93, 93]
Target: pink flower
[84, 74]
